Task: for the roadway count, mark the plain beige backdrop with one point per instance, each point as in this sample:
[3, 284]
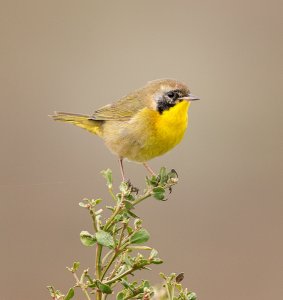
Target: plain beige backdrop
[222, 225]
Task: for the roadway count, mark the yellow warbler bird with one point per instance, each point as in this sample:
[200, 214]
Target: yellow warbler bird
[142, 125]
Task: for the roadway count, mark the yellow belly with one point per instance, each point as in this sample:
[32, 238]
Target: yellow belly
[148, 134]
[170, 127]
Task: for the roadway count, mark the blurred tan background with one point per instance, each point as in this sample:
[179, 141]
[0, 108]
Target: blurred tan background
[222, 226]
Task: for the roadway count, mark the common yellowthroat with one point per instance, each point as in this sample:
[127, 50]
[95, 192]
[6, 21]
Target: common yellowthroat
[142, 125]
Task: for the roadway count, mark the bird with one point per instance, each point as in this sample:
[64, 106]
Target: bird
[142, 125]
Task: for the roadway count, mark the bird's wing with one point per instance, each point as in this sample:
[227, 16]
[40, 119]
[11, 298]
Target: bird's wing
[122, 110]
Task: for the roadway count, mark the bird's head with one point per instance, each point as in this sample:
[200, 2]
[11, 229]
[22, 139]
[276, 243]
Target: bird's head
[166, 93]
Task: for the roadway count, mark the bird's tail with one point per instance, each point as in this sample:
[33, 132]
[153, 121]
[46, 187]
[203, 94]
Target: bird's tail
[82, 121]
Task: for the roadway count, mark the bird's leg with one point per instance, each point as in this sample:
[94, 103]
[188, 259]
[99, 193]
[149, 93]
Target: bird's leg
[131, 187]
[122, 168]
[149, 169]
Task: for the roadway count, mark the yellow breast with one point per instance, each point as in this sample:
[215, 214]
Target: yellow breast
[148, 134]
[165, 130]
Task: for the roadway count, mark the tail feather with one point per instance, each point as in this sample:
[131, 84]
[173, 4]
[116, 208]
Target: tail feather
[79, 120]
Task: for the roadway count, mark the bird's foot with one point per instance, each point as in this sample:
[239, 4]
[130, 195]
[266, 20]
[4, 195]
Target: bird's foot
[132, 188]
[174, 171]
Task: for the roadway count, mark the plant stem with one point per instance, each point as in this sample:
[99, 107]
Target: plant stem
[98, 268]
[118, 264]
[120, 276]
[172, 291]
[82, 286]
[98, 295]
[109, 265]
[115, 213]
[93, 220]
[112, 194]
[122, 235]
[145, 196]
[99, 274]
[106, 255]
[149, 194]
[98, 261]
[117, 252]
[98, 255]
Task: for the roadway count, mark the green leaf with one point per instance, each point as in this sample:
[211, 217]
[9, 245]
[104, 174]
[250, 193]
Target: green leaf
[192, 296]
[70, 294]
[95, 202]
[110, 207]
[158, 189]
[158, 193]
[140, 237]
[55, 294]
[124, 187]
[159, 196]
[76, 265]
[141, 263]
[93, 284]
[127, 262]
[173, 174]
[128, 204]
[153, 254]
[137, 223]
[120, 296]
[125, 283]
[107, 174]
[153, 181]
[129, 197]
[130, 230]
[139, 248]
[105, 239]
[163, 177]
[173, 177]
[157, 261]
[105, 289]
[118, 217]
[145, 283]
[84, 203]
[87, 239]
[52, 291]
[132, 214]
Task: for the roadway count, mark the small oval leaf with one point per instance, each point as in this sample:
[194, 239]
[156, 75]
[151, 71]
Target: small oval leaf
[158, 193]
[192, 296]
[156, 261]
[105, 289]
[153, 254]
[70, 294]
[105, 239]
[140, 237]
[120, 296]
[76, 265]
[107, 174]
[87, 239]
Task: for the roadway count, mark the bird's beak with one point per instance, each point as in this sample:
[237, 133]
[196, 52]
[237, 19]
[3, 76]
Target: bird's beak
[191, 97]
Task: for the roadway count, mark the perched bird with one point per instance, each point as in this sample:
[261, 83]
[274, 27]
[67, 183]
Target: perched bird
[142, 125]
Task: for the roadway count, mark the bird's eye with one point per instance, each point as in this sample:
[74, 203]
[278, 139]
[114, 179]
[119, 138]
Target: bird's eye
[172, 95]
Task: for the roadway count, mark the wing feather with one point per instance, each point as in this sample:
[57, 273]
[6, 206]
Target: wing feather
[122, 110]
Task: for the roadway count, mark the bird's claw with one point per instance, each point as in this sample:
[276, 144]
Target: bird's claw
[132, 188]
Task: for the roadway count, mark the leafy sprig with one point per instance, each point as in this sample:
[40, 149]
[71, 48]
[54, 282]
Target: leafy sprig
[119, 243]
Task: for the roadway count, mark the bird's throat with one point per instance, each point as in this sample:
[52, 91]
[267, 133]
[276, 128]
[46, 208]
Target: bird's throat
[175, 117]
